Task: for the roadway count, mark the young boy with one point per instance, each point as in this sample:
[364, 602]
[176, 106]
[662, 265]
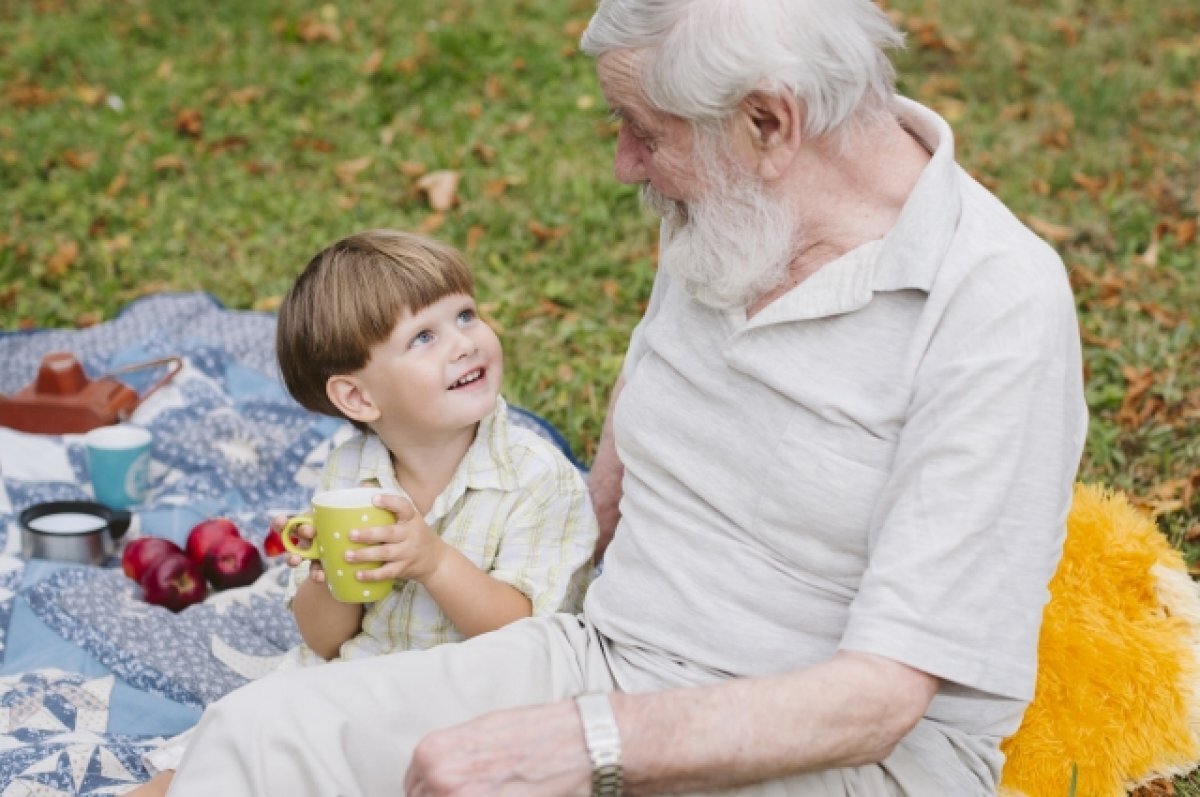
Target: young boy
[492, 522]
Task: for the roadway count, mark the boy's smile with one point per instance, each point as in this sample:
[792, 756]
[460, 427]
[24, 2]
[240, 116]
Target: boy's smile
[439, 371]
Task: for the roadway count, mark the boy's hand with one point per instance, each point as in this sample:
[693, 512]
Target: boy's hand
[304, 538]
[409, 549]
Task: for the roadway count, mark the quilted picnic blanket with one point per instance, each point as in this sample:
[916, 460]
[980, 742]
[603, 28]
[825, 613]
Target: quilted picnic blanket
[91, 676]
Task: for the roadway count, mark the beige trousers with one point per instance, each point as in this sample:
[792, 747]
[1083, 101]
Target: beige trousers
[347, 729]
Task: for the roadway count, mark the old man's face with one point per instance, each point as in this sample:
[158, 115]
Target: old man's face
[725, 239]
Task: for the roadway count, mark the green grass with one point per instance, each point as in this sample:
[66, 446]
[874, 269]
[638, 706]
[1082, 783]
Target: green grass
[316, 120]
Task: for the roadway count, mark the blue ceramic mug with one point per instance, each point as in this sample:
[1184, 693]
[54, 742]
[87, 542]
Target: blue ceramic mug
[118, 460]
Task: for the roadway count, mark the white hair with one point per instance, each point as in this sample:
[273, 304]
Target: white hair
[703, 57]
[731, 245]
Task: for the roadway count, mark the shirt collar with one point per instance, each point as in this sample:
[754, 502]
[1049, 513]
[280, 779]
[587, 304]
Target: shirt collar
[487, 465]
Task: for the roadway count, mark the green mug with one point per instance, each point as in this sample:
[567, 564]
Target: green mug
[335, 513]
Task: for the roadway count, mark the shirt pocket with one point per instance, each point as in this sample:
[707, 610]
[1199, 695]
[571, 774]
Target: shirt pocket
[817, 499]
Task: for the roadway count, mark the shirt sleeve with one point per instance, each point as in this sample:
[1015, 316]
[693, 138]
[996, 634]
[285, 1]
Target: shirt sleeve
[546, 546]
[969, 527]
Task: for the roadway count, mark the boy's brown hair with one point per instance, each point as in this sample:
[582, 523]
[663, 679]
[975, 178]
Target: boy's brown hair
[349, 298]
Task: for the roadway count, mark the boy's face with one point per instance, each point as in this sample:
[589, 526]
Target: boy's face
[439, 371]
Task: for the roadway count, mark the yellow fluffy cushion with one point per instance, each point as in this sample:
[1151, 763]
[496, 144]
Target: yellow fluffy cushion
[1117, 690]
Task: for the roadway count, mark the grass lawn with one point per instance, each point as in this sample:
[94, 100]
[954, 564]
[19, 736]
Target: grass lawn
[150, 145]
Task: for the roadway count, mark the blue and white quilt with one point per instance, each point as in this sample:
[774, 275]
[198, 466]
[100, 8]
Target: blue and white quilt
[91, 676]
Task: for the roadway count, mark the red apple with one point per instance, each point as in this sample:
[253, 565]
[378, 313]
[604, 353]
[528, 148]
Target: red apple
[232, 562]
[273, 545]
[174, 582]
[143, 552]
[207, 533]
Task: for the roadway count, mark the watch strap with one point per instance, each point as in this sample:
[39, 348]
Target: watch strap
[603, 741]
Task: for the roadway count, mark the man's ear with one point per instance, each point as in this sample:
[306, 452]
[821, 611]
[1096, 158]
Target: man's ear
[773, 122]
[350, 396]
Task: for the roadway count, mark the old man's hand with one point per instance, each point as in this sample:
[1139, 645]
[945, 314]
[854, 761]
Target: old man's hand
[537, 751]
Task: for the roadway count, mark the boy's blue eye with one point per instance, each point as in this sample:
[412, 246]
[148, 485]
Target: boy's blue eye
[466, 317]
[422, 337]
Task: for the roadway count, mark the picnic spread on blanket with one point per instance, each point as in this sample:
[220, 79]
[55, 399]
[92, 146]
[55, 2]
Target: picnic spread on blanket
[91, 674]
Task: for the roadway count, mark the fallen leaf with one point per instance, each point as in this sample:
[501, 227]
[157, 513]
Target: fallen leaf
[8, 296]
[441, 188]
[314, 144]
[1150, 256]
[90, 95]
[1155, 788]
[431, 223]
[611, 288]
[412, 168]
[168, 163]
[28, 95]
[246, 96]
[257, 167]
[1092, 185]
[575, 27]
[1138, 382]
[228, 144]
[371, 65]
[1055, 233]
[1111, 344]
[1185, 231]
[118, 243]
[347, 171]
[88, 319]
[1067, 28]
[486, 153]
[98, 226]
[164, 70]
[564, 372]
[585, 102]
[189, 122]
[474, 236]
[544, 233]
[493, 189]
[493, 89]
[1167, 318]
[267, 304]
[346, 202]
[79, 160]
[312, 30]
[63, 257]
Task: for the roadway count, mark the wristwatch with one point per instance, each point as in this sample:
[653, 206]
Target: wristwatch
[603, 743]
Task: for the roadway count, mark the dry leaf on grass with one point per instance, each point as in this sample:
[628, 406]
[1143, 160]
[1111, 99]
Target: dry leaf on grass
[189, 122]
[1055, 233]
[441, 189]
[62, 258]
[168, 163]
[348, 171]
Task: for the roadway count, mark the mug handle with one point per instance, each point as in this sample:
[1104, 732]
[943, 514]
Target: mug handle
[285, 537]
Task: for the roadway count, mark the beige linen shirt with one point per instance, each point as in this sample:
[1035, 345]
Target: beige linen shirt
[880, 460]
[515, 507]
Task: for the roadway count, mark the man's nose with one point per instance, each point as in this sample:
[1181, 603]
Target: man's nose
[628, 165]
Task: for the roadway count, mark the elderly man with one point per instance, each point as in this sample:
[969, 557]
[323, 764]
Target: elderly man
[838, 465]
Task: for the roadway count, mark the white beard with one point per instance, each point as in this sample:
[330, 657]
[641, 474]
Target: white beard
[730, 247]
